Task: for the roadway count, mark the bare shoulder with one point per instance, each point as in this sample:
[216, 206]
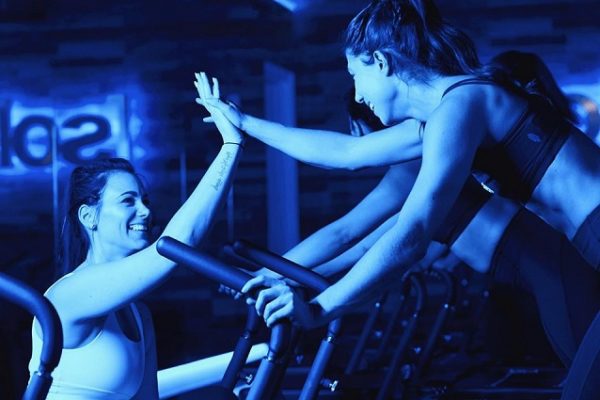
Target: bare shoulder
[490, 108]
[76, 331]
[60, 288]
[460, 116]
[65, 289]
[461, 102]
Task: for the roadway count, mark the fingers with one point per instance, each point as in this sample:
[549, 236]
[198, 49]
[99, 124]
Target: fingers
[198, 88]
[270, 300]
[205, 86]
[274, 302]
[205, 91]
[266, 296]
[280, 300]
[284, 312]
[202, 86]
[199, 98]
[216, 91]
[253, 283]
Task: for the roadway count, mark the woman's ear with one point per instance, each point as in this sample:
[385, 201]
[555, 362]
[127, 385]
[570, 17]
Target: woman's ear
[382, 62]
[87, 216]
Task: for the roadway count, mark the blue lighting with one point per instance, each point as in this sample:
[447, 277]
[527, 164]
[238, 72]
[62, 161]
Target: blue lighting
[33, 131]
[292, 5]
[585, 103]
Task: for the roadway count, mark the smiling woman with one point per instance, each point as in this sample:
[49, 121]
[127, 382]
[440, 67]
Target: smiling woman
[123, 219]
[408, 63]
[99, 195]
[109, 350]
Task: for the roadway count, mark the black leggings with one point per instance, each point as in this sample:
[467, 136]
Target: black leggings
[533, 256]
[583, 381]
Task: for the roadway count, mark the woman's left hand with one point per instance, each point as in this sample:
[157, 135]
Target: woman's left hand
[279, 301]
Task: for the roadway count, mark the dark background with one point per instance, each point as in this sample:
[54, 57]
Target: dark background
[62, 55]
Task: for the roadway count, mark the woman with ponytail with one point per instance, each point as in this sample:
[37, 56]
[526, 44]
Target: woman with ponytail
[412, 68]
[109, 350]
[407, 62]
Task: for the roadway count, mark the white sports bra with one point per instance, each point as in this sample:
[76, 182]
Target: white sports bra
[111, 366]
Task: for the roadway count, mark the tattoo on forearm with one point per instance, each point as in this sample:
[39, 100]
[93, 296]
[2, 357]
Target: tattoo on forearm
[221, 172]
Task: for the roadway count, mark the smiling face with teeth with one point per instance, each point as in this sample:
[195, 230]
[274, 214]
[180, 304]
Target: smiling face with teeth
[123, 218]
[377, 88]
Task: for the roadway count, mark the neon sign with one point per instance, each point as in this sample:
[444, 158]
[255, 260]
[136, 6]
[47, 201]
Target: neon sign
[30, 135]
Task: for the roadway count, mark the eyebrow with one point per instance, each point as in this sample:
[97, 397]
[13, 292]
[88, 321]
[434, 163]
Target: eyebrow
[129, 192]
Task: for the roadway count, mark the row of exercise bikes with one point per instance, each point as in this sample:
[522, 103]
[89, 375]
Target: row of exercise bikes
[415, 342]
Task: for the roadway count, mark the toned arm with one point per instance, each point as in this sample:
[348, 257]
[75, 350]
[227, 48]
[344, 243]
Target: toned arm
[93, 291]
[328, 149]
[383, 201]
[348, 258]
[451, 137]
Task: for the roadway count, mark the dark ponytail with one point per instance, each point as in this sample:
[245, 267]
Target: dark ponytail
[414, 37]
[529, 73]
[86, 184]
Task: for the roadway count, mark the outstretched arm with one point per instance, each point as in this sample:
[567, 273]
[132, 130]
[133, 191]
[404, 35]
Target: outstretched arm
[335, 238]
[383, 201]
[448, 151]
[348, 258]
[95, 290]
[329, 149]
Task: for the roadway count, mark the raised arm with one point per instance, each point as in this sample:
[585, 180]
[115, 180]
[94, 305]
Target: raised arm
[329, 149]
[97, 289]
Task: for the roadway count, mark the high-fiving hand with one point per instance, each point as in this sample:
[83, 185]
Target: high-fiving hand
[209, 98]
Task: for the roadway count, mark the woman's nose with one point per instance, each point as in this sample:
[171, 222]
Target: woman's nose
[358, 98]
[143, 210]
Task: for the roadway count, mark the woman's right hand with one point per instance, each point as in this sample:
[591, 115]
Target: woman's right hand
[276, 300]
[209, 98]
[267, 273]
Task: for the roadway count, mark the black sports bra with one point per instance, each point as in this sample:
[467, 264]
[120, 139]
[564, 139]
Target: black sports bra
[521, 158]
